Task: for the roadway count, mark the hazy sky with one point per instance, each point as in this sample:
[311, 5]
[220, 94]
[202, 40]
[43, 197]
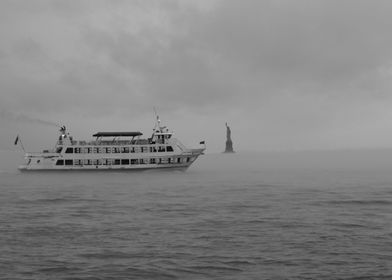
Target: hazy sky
[284, 74]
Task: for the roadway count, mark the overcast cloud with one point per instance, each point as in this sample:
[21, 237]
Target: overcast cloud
[284, 74]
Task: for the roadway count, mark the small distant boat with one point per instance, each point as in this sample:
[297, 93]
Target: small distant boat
[115, 151]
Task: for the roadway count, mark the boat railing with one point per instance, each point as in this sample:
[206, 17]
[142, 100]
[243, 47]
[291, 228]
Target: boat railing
[111, 142]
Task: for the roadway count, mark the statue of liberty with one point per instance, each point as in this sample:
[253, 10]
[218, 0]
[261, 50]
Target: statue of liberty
[229, 143]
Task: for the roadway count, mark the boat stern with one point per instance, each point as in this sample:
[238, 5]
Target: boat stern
[23, 167]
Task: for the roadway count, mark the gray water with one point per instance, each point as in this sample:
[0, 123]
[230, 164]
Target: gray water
[227, 217]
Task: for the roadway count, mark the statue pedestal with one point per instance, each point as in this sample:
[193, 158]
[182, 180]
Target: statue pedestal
[229, 147]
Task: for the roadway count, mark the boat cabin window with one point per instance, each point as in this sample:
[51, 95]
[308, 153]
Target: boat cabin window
[60, 162]
[125, 161]
[125, 150]
[69, 150]
[59, 149]
[68, 162]
[169, 148]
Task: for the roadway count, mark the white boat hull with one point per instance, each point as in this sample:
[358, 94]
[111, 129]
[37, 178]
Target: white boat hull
[25, 168]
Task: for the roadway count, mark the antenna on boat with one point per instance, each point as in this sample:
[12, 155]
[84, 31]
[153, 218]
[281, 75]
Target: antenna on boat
[158, 123]
[157, 117]
[158, 127]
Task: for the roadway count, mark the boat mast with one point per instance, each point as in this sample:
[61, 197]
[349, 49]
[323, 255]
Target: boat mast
[158, 121]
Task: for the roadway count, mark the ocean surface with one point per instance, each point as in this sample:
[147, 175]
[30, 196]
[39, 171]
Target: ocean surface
[239, 216]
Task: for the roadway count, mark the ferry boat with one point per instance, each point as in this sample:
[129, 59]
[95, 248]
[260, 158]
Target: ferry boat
[115, 151]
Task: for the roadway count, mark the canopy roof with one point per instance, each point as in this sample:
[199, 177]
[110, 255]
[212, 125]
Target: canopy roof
[117, 134]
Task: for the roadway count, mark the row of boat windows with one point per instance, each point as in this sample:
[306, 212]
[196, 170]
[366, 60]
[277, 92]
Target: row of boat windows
[108, 150]
[80, 162]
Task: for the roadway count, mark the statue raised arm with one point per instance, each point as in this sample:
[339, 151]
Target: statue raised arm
[228, 133]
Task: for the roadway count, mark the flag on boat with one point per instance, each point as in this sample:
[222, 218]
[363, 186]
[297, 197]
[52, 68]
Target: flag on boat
[16, 140]
[202, 142]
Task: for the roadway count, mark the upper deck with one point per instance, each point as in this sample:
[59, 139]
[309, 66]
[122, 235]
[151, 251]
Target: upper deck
[119, 138]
